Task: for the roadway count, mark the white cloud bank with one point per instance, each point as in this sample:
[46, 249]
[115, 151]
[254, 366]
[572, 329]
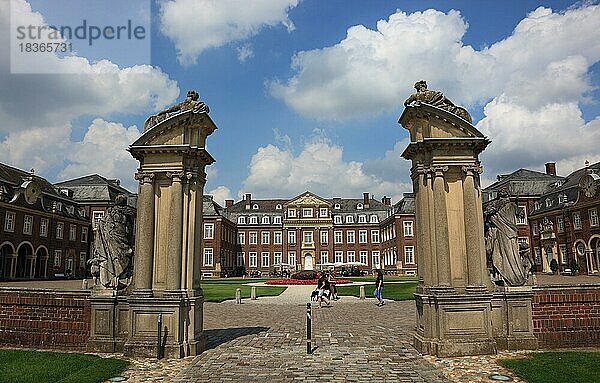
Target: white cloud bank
[38, 111]
[531, 83]
[197, 25]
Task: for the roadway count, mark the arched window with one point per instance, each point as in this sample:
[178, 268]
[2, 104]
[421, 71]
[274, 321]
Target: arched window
[253, 220]
[255, 206]
[349, 219]
[241, 220]
[359, 206]
[265, 220]
[374, 219]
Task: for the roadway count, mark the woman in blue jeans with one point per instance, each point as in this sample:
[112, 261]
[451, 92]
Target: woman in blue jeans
[378, 293]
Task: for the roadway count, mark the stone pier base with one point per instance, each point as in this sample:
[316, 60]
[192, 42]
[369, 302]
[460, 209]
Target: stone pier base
[512, 320]
[109, 321]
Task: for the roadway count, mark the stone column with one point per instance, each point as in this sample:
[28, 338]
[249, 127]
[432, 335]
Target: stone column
[473, 236]
[174, 254]
[422, 227]
[442, 245]
[143, 260]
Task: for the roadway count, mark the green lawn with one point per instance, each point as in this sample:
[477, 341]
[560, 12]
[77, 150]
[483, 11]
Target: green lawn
[556, 367]
[387, 278]
[54, 367]
[393, 291]
[219, 290]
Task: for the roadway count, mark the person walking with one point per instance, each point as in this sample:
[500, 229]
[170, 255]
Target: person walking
[323, 290]
[378, 293]
[332, 286]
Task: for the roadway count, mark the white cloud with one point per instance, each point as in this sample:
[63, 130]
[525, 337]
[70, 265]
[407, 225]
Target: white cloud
[319, 168]
[220, 194]
[103, 151]
[197, 25]
[38, 111]
[531, 83]
[245, 52]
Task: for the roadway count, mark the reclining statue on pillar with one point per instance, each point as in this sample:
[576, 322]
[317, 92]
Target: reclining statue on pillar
[190, 103]
[437, 99]
[112, 253]
[510, 259]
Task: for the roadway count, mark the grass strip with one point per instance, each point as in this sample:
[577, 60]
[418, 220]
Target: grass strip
[393, 291]
[554, 367]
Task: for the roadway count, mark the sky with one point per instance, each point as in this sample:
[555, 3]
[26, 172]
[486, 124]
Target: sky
[306, 94]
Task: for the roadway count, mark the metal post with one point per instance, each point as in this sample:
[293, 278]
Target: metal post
[308, 329]
[158, 344]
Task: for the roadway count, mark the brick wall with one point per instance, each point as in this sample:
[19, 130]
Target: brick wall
[44, 318]
[566, 316]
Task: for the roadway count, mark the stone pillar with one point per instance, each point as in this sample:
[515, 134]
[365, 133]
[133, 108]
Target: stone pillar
[422, 228]
[442, 244]
[175, 228]
[473, 225]
[144, 247]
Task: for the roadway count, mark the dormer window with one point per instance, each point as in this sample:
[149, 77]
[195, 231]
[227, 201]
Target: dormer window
[323, 212]
[253, 220]
[265, 220]
[278, 207]
[359, 206]
[277, 220]
[241, 220]
[562, 198]
[362, 219]
[537, 205]
[548, 202]
[70, 209]
[255, 206]
[349, 219]
[374, 219]
[337, 206]
[291, 213]
[307, 213]
[337, 219]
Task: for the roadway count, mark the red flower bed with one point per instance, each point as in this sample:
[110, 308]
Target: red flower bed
[301, 281]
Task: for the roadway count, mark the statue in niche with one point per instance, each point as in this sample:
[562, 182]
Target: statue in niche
[510, 259]
[192, 102]
[437, 99]
[112, 260]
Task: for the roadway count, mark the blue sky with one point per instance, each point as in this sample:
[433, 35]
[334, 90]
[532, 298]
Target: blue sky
[307, 94]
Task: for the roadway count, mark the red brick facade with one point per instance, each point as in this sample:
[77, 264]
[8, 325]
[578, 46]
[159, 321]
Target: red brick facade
[44, 319]
[566, 316]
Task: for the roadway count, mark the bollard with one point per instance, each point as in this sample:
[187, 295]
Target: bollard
[362, 292]
[253, 293]
[238, 296]
[158, 344]
[308, 329]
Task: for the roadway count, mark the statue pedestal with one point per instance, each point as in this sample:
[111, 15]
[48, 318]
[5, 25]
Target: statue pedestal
[512, 320]
[109, 320]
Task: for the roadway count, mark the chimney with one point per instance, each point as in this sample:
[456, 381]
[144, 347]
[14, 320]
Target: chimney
[551, 168]
[366, 200]
[248, 200]
[228, 203]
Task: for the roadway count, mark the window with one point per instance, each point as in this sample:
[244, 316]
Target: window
[253, 220]
[339, 256]
[57, 258]
[408, 229]
[308, 237]
[44, 227]
[563, 253]
[375, 259]
[538, 255]
[562, 198]
[307, 213]
[350, 236]
[265, 237]
[349, 219]
[253, 259]
[337, 219]
[9, 221]
[523, 240]
[82, 259]
[241, 220]
[351, 256]
[208, 256]
[336, 206]
[27, 224]
[362, 236]
[359, 206]
[255, 206]
[324, 257]
[375, 236]
[292, 258]
[363, 257]
[324, 237]
[521, 216]
[576, 220]
[84, 234]
[580, 248]
[374, 219]
[277, 258]
[548, 202]
[362, 219]
[593, 217]
[253, 238]
[97, 215]
[277, 220]
[277, 238]
[265, 220]
[265, 259]
[59, 230]
[323, 212]
[337, 237]
[241, 238]
[409, 255]
[278, 207]
[240, 258]
[291, 213]
[536, 229]
[560, 224]
[72, 232]
[209, 231]
[291, 237]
